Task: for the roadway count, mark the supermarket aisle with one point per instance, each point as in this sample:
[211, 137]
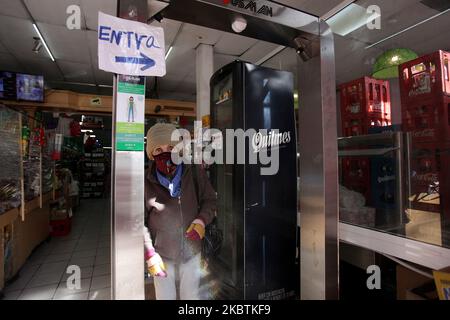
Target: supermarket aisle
[44, 276]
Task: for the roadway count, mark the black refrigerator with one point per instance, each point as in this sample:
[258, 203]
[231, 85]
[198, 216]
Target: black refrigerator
[257, 213]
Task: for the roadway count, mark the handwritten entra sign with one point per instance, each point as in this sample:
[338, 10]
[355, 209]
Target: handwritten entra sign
[130, 47]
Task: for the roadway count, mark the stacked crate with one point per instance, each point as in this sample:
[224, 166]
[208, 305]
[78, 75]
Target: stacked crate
[365, 104]
[425, 95]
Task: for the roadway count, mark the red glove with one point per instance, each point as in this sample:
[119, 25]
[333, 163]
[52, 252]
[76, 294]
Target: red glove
[196, 230]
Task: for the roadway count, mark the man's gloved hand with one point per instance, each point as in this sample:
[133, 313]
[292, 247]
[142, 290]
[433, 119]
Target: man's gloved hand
[196, 230]
[155, 264]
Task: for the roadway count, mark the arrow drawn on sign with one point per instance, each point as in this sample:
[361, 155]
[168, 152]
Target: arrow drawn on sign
[147, 62]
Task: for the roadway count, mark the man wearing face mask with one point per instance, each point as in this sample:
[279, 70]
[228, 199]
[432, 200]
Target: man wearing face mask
[176, 219]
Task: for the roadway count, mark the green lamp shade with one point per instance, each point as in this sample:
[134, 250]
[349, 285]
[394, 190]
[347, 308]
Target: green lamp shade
[386, 65]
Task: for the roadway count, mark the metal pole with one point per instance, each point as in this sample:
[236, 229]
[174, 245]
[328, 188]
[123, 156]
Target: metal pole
[318, 173]
[400, 167]
[127, 196]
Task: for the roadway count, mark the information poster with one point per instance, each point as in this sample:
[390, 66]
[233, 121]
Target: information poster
[130, 113]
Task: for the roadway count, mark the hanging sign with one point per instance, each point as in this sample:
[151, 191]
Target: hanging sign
[130, 114]
[130, 47]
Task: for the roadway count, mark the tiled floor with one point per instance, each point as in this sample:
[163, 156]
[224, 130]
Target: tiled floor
[44, 276]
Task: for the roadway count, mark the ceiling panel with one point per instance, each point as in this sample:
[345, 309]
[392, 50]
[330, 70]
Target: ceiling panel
[66, 44]
[170, 29]
[187, 85]
[315, 7]
[258, 51]
[91, 8]
[191, 36]
[181, 61]
[57, 15]
[103, 77]
[3, 49]
[21, 42]
[285, 60]
[423, 39]
[13, 8]
[232, 44]
[92, 43]
[76, 72]
[45, 67]
[9, 63]
[394, 18]
[168, 83]
[221, 60]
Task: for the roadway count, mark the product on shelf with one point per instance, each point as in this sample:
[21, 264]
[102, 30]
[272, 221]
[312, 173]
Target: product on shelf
[93, 173]
[10, 132]
[31, 164]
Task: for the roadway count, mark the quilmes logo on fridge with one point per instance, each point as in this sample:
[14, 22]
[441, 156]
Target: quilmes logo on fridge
[262, 141]
[251, 6]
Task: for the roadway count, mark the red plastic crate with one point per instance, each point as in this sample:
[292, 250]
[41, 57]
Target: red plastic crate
[424, 165]
[60, 228]
[428, 120]
[365, 103]
[356, 175]
[430, 177]
[356, 126]
[444, 180]
[425, 77]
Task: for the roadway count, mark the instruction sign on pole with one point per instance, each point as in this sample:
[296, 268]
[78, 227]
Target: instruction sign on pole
[130, 113]
[130, 47]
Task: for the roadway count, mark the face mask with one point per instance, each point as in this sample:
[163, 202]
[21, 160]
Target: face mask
[164, 163]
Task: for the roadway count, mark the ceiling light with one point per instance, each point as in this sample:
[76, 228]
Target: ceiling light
[43, 41]
[350, 19]
[168, 52]
[239, 24]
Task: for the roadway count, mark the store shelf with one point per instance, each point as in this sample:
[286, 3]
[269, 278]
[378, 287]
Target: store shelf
[367, 140]
[365, 152]
[34, 204]
[31, 205]
[8, 217]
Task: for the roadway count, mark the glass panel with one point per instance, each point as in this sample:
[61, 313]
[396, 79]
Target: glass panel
[394, 153]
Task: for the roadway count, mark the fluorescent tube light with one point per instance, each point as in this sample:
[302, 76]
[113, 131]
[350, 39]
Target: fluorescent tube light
[43, 41]
[350, 19]
[168, 52]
